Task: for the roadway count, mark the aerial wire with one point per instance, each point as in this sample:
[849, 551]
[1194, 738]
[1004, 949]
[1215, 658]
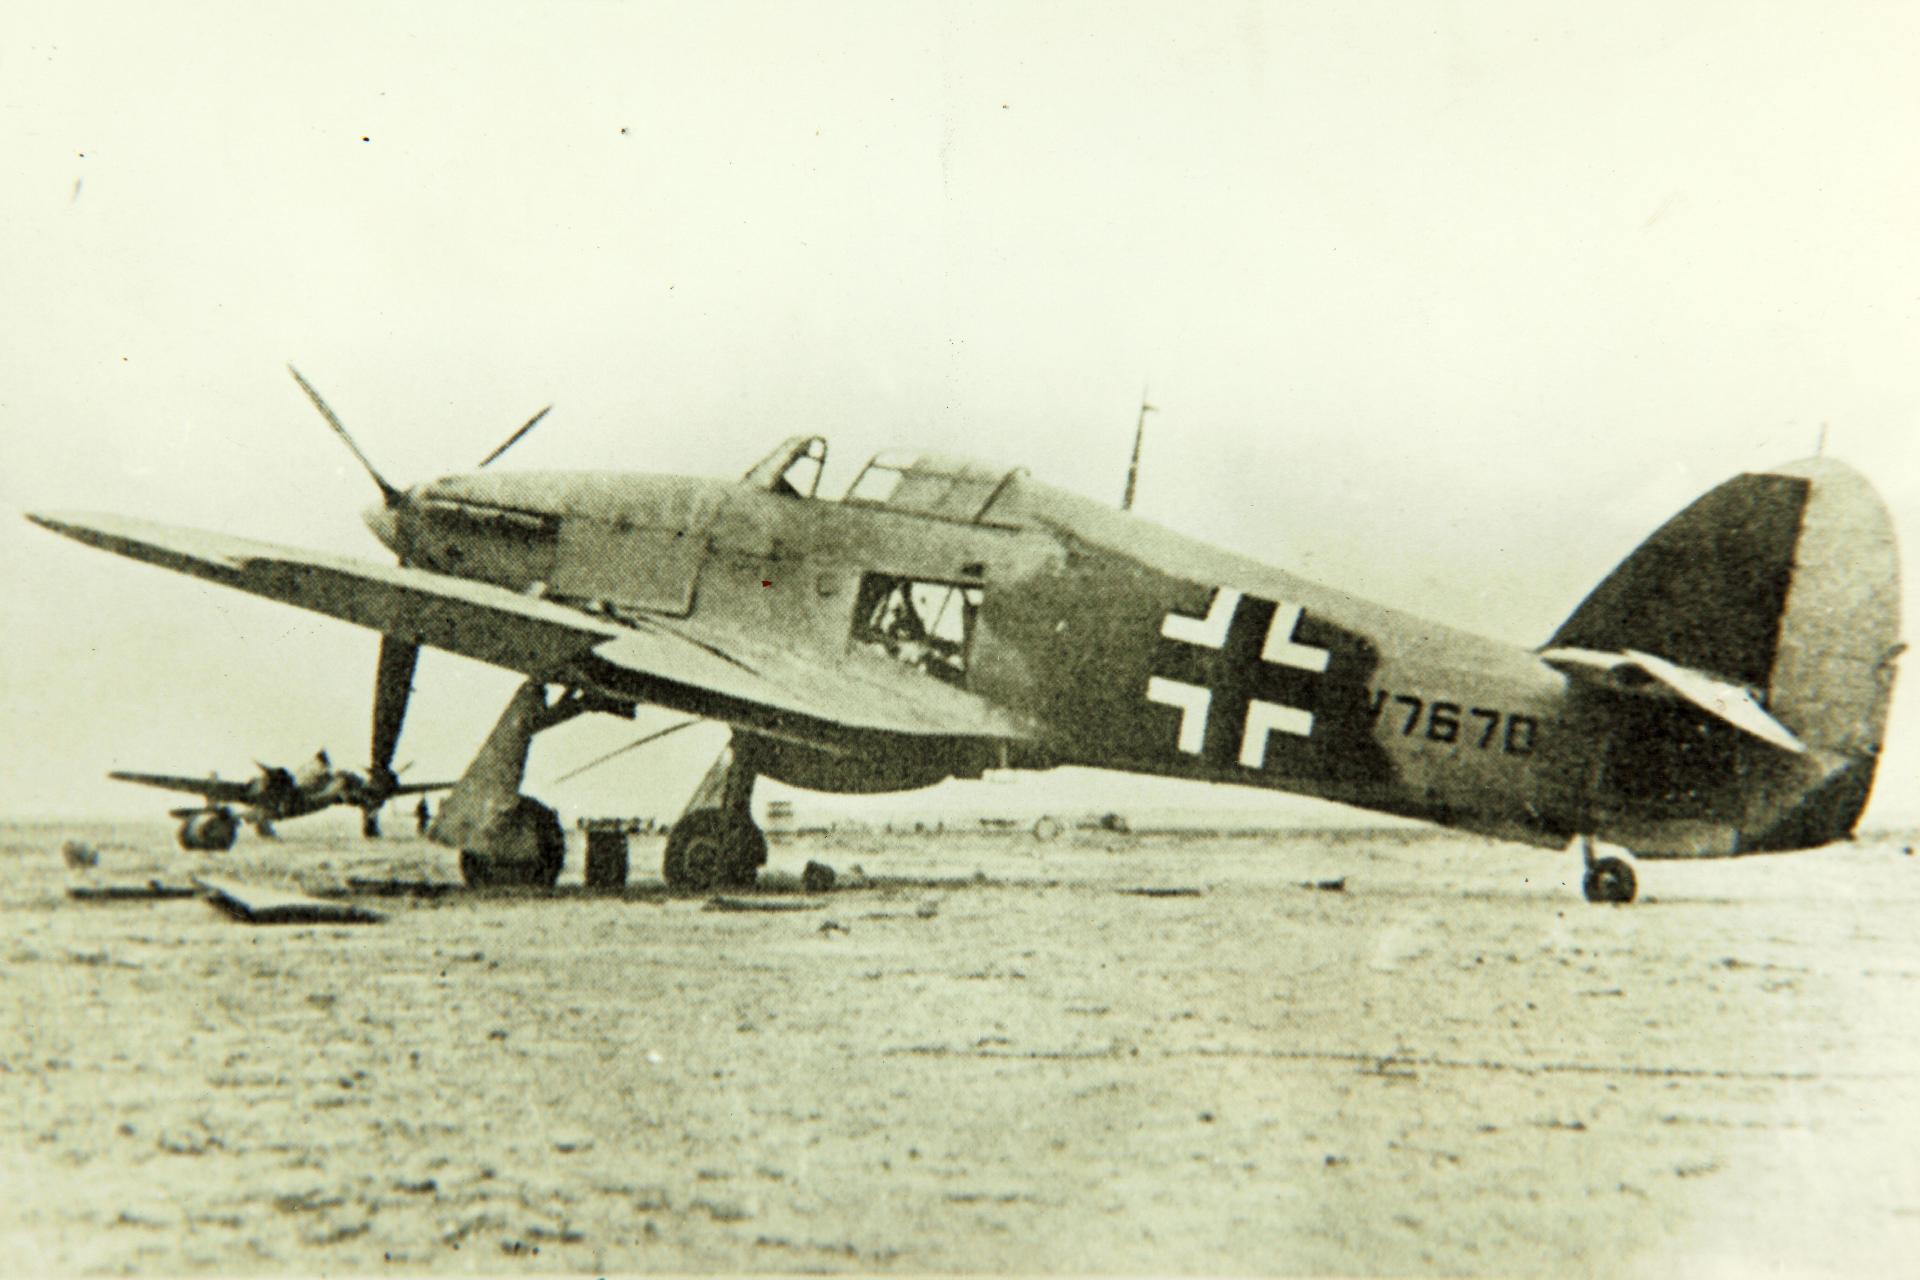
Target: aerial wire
[620, 751]
[1139, 432]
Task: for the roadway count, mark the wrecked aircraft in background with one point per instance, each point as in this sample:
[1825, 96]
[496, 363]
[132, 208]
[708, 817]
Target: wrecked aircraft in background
[274, 795]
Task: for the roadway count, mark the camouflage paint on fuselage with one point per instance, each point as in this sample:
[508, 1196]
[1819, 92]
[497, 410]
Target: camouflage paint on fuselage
[1079, 627]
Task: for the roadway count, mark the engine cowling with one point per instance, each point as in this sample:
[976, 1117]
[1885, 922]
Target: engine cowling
[272, 787]
[209, 831]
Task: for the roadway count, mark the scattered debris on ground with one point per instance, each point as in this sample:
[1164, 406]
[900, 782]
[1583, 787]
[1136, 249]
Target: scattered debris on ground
[257, 904]
[401, 888]
[1154, 892]
[759, 904]
[152, 889]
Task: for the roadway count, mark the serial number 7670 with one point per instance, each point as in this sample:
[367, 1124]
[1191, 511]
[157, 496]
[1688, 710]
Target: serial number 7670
[1477, 727]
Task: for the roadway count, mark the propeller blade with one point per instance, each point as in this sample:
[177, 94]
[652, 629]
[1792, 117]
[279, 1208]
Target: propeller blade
[392, 686]
[620, 751]
[392, 495]
[514, 439]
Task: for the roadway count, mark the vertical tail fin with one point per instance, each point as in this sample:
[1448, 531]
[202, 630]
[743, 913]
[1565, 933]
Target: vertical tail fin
[1785, 581]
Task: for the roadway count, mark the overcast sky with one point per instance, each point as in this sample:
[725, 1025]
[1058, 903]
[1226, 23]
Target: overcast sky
[1446, 304]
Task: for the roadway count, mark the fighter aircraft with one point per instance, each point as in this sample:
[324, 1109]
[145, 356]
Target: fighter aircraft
[274, 795]
[1724, 691]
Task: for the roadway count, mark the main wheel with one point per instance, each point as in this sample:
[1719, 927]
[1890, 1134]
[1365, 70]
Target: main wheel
[708, 850]
[528, 855]
[1610, 880]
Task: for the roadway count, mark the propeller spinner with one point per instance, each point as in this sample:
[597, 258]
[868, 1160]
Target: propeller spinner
[383, 517]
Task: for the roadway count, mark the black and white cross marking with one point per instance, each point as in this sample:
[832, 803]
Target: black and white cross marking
[1235, 676]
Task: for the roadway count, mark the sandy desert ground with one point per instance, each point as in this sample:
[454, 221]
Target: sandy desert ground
[993, 1056]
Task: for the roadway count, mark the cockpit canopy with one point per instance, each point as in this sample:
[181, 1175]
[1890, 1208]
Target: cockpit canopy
[792, 469]
[926, 484]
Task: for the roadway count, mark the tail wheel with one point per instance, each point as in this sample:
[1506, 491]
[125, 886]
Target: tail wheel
[1610, 880]
[708, 850]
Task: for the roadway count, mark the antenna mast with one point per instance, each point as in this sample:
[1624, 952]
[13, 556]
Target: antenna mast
[1133, 468]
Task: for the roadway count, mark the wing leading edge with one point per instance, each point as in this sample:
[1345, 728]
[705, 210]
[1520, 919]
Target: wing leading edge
[681, 665]
[214, 790]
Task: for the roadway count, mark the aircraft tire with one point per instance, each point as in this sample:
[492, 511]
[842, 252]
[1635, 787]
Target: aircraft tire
[538, 842]
[1610, 880]
[708, 850]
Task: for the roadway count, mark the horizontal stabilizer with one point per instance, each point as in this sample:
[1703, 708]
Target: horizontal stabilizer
[1632, 671]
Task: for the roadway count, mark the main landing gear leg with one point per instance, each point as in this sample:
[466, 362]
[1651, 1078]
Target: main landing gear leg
[507, 839]
[1607, 879]
[715, 844]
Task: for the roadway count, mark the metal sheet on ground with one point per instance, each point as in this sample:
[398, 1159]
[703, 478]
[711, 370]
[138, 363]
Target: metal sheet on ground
[147, 892]
[261, 904]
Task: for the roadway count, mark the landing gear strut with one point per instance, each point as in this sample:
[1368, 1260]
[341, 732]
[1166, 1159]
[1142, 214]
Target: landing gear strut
[715, 844]
[1607, 879]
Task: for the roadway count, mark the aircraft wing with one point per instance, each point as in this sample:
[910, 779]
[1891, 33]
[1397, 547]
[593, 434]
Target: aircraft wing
[660, 660]
[470, 618]
[682, 664]
[1631, 671]
[420, 788]
[215, 790]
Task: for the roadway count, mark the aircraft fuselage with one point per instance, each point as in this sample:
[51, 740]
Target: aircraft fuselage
[1128, 647]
